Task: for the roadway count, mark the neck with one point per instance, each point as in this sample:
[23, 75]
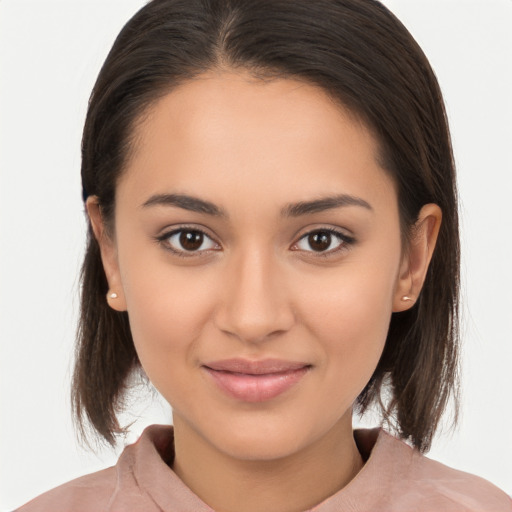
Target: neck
[289, 484]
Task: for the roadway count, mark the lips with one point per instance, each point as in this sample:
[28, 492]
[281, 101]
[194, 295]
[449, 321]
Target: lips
[255, 381]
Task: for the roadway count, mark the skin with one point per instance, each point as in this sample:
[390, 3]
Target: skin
[257, 289]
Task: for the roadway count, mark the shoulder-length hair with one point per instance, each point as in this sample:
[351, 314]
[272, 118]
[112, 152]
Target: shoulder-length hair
[363, 57]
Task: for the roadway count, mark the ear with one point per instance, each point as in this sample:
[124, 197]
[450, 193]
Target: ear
[416, 259]
[115, 296]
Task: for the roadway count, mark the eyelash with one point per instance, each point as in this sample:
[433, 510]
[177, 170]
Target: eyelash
[345, 242]
[162, 239]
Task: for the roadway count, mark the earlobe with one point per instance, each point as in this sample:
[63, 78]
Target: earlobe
[115, 296]
[417, 258]
[116, 301]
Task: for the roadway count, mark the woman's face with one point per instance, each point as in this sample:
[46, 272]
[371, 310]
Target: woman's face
[257, 250]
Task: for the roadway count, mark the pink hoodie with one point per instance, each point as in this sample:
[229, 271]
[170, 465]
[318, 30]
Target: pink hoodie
[395, 478]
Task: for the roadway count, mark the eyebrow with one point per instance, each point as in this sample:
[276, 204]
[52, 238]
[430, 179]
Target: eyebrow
[195, 204]
[322, 204]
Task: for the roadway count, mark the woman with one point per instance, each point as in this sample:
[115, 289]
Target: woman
[273, 240]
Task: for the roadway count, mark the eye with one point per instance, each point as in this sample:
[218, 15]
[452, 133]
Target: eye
[323, 241]
[191, 241]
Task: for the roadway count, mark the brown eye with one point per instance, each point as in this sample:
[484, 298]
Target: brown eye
[183, 241]
[323, 241]
[319, 241]
[191, 240]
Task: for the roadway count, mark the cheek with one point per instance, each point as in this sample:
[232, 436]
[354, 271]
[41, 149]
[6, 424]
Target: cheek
[167, 309]
[350, 312]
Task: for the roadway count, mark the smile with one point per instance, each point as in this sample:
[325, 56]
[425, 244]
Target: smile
[255, 381]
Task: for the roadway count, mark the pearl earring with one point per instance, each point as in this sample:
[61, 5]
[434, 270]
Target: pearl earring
[112, 295]
[406, 298]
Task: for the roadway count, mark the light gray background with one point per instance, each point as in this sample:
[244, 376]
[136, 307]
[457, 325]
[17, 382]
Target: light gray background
[50, 54]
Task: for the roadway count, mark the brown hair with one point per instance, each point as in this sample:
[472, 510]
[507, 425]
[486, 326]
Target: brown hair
[360, 54]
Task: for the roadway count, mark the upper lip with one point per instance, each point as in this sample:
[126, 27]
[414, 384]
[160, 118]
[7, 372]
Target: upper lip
[261, 367]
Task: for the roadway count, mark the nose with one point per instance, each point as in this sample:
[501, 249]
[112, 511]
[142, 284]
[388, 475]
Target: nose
[255, 305]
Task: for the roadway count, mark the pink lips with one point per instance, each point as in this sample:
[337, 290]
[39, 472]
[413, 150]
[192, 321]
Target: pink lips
[255, 381]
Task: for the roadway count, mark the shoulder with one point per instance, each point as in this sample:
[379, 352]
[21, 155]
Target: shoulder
[464, 490]
[439, 487]
[141, 473]
[84, 494]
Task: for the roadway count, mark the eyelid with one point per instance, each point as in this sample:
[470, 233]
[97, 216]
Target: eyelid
[169, 232]
[345, 239]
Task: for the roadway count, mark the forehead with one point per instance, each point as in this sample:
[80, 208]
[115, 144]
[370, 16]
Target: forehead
[228, 108]
[230, 131]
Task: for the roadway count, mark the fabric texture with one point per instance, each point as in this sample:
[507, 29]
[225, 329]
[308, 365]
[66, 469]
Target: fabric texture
[395, 478]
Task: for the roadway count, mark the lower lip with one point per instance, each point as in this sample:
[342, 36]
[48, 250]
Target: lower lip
[256, 388]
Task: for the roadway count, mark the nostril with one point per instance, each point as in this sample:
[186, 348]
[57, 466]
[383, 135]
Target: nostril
[253, 305]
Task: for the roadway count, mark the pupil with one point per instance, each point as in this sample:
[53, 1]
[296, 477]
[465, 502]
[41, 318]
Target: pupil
[319, 241]
[191, 240]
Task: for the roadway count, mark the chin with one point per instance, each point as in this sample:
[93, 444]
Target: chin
[266, 439]
[262, 447]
